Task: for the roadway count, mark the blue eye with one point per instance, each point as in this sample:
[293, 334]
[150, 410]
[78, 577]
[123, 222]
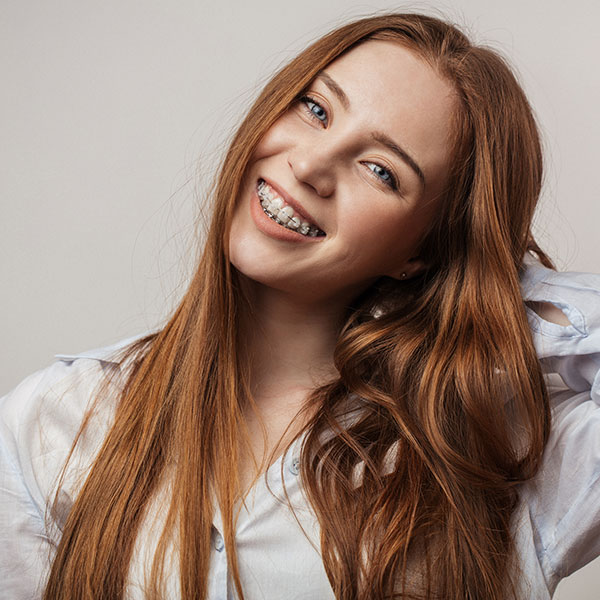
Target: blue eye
[383, 174]
[314, 109]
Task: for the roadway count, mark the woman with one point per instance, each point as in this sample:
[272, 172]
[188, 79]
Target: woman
[357, 332]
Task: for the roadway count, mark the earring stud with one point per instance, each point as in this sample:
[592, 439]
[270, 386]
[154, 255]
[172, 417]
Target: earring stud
[403, 276]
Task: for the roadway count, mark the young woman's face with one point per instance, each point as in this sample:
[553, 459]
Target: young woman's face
[359, 161]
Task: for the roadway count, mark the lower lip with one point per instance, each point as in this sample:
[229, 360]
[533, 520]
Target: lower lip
[273, 229]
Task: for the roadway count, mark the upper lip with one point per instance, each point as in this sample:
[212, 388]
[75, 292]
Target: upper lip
[298, 208]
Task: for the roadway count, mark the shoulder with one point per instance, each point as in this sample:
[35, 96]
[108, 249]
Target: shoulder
[58, 395]
[40, 418]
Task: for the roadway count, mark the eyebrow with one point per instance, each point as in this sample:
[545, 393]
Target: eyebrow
[335, 88]
[384, 139]
[377, 136]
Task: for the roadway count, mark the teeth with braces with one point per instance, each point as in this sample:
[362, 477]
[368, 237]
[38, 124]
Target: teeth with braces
[275, 208]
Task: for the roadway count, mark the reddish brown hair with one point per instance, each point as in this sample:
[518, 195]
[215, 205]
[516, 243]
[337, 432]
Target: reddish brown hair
[443, 365]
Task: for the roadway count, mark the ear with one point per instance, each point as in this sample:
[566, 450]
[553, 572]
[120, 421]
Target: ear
[411, 268]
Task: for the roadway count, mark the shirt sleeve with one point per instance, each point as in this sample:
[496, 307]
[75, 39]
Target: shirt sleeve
[564, 497]
[25, 546]
[39, 420]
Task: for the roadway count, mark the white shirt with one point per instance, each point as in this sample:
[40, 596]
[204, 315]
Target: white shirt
[556, 524]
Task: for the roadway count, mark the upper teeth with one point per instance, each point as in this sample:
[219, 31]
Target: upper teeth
[275, 207]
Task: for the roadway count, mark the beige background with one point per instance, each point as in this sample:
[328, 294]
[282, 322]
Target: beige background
[112, 113]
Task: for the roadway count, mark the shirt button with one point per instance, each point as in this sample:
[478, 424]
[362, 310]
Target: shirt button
[295, 466]
[218, 542]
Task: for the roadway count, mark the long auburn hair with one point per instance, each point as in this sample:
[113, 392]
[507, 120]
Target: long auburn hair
[454, 410]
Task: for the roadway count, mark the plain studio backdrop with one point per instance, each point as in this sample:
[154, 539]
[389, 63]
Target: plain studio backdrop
[114, 115]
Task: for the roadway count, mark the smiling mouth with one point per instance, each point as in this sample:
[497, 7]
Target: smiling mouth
[276, 209]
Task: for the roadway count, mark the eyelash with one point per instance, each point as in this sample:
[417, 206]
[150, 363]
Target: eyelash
[306, 99]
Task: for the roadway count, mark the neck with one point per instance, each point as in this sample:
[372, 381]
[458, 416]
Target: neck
[289, 342]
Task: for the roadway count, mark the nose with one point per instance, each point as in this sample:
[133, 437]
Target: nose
[316, 166]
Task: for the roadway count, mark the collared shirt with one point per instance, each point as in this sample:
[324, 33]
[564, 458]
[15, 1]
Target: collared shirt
[556, 524]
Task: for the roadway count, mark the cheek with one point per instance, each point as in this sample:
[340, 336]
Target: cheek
[384, 227]
[389, 235]
[277, 139]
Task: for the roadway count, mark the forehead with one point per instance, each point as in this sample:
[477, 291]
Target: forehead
[393, 90]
